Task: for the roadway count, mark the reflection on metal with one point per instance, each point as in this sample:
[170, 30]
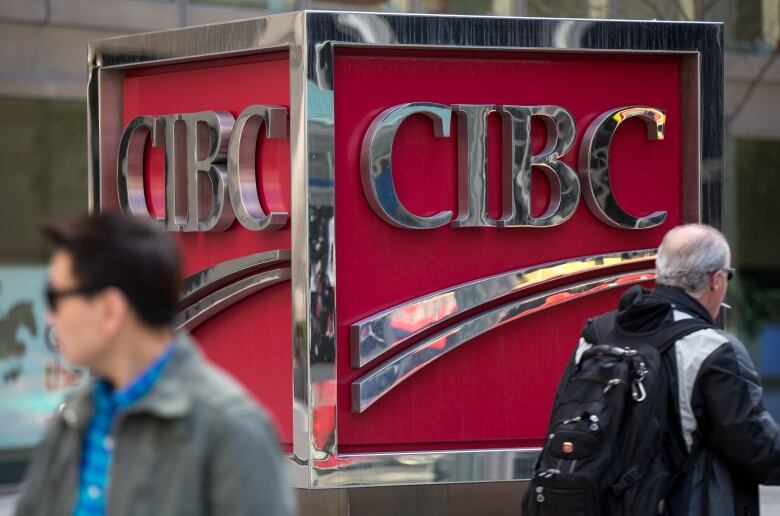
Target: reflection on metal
[317, 437]
[212, 304]
[594, 165]
[388, 375]
[487, 465]
[300, 140]
[382, 332]
[517, 162]
[309, 39]
[210, 279]
[175, 143]
[376, 164]
[207, 134]
[206, 161]
[472, 165]
[241, 165]
[377, 168]
[130, 166]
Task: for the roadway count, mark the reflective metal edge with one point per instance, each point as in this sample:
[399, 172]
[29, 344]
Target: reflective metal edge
[104, 108]
[373, 336]
[299, 225]
[210, 279]
[431, 467]
[321, 266]
[712, 174]
[212, 304]
[690, 87]
[93, 134]
[386, 376]
[267, 33]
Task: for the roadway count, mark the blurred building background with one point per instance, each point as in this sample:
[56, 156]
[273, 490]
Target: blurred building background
[43, 158]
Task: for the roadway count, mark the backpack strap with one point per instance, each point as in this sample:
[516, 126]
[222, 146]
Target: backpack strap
[696, 449]
[673, 332]
[599, 327]
[666, 339]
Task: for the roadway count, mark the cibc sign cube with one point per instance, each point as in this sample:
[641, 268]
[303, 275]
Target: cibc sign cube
[395, 226]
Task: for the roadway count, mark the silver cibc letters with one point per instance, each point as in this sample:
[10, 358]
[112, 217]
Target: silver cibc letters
[210, 175]
[376, 166]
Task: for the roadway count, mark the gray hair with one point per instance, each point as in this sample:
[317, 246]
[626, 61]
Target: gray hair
[688, 255]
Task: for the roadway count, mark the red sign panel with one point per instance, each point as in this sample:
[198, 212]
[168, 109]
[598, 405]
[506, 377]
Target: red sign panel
[496, 390]
[252, 340]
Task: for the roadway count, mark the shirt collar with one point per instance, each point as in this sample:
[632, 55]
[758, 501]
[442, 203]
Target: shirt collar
[138, 387]
[684, 301]
[168, 398]
[170, 395]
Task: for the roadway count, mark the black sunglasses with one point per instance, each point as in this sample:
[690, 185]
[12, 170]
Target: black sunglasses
[53, 295]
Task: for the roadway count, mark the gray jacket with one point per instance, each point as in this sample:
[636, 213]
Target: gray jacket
[194, 445]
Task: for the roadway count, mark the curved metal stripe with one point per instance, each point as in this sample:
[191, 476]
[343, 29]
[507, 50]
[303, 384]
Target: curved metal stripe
[209, 306]
[210, 279]
[386, 376]
[376, 335]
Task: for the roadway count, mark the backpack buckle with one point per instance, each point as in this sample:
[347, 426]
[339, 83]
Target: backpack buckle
[637, 386]
[626, 480]
[638, 391]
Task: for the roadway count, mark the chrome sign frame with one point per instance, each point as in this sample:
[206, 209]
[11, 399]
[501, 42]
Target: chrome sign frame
[310, 39]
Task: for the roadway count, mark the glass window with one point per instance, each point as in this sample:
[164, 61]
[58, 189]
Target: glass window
[558, 8]
[256, 4]
[755, 181]
[746, 28]
[478, 7]
[44, 176]
[359, 5]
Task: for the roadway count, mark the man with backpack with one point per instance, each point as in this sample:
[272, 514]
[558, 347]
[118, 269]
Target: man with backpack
[659, 412]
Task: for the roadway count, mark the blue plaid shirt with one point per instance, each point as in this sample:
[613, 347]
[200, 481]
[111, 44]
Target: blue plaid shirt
[98, 446]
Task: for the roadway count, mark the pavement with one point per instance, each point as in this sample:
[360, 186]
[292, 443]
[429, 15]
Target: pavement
[770, 502]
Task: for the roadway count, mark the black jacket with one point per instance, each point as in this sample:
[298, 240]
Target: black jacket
[717, 394]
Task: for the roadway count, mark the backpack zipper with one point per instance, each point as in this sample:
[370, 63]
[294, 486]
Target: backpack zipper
[613, 382]
[607, 386]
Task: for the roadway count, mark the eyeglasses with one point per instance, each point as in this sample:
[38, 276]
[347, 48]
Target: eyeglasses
[730, 271]
[53, 295]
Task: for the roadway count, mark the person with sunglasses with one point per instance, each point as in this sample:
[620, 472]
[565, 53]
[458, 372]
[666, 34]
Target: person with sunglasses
[157, 430]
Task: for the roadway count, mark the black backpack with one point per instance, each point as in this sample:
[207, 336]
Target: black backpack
[607, 450]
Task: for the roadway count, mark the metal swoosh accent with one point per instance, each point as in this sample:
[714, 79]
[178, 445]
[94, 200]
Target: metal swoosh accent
[388, 375]
[378, 334]
[210, 279]
[212, 304]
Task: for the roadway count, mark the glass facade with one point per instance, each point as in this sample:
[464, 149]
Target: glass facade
[270, 5]
[752, 230]
[43, 177]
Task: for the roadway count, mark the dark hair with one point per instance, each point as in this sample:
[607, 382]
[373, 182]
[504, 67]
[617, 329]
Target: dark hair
[132, 254]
